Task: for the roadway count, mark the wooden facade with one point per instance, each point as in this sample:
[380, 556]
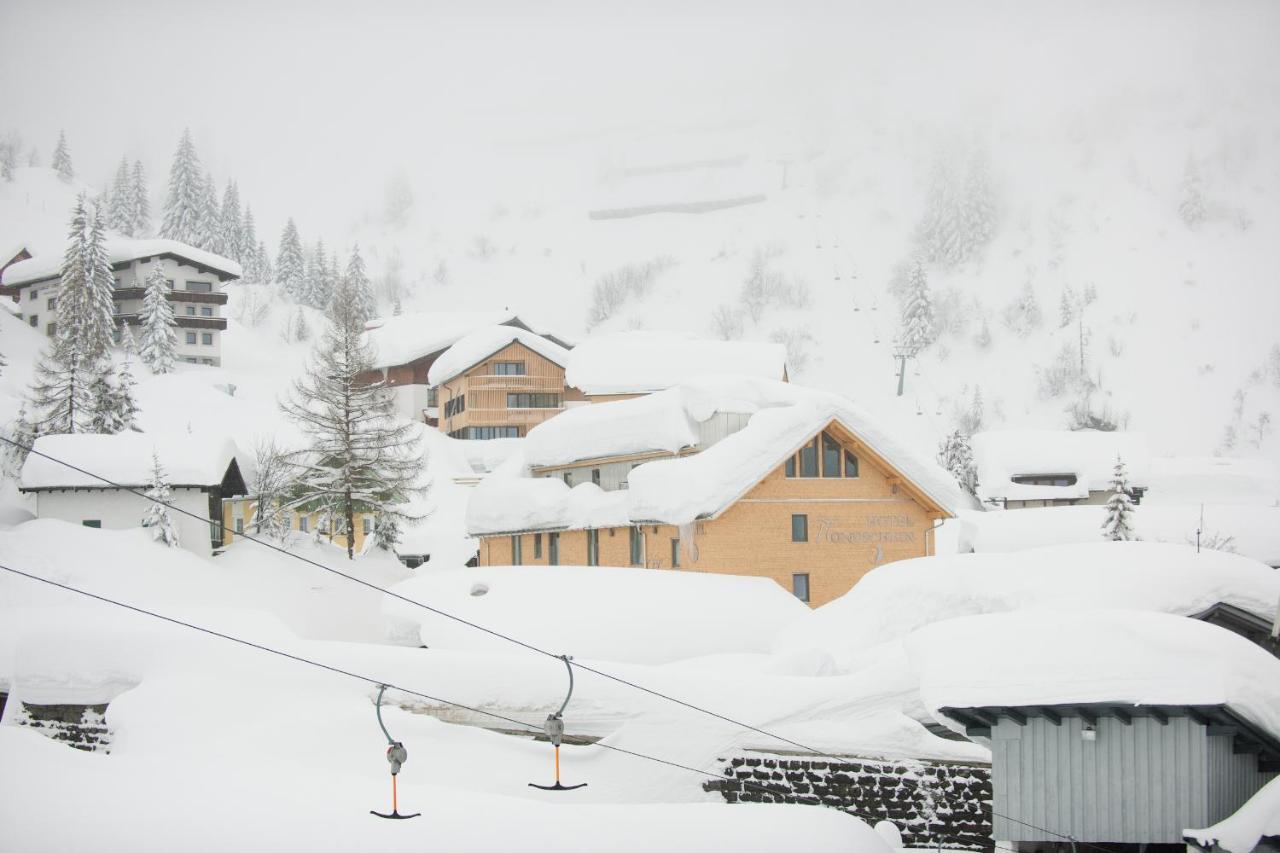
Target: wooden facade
[485, 402]
[816, 536]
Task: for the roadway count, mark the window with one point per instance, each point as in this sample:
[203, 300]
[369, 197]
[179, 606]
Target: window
[455, 406]
[206, 338]
[304, 523]
[790, 467]
[191, 338]
[675, 553]
[537, 546]
[595, 476]
[553, 549]
[239, 525]
[52, 302]
[92, 522]
[33, 294]
[168, 282]
[51, 329]
[35, 321]
[191, 310]
[199, 286]
[800, 585]
[637, 546]
[433, 395]
[593, 547]
[809, 459]
[821, 457]
[517, 554]
[492, 432]
[830, 456]
[568, 478]
[850, 464]
[508, 368]
[116, 336]
[799, 528]
[206, 311]
[533, 401]
[366, 524]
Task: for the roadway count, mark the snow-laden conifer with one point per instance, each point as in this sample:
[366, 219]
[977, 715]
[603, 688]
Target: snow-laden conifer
[360, 458]
[209, 227]
[8, 158]
[118, 202]
[185, 199]
[21, 434]
[62, 159]
[956, 455]
[358, 284]
[1191, 203]
[139, 203]
[159, 345]
[85, 307]
[1118, 525]
[290, 264]
[918, 324]
[230, 241]
[249, 248]
[156, 518]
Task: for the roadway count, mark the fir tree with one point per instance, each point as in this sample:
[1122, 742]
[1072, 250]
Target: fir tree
[120, 202]
[316, 291]
[183, 205]
[956, 455]
[918, 326]
[231, 227]
[209, 230]
[1118, 525]
[290, 265]
[8, 158]
[159, 328]
[249, 248]
[358, 283]
[21, 434]
[266, 274]
[157, 517]
[86, 313]
[360, 458]
[139, 204]
[61, 399]
[1191, 206]
[62, 159]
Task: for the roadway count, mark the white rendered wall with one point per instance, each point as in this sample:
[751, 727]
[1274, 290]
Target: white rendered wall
[119, 510]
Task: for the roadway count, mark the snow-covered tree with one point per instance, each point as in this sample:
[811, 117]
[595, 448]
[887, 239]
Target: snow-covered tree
[159, 345]
[1191, 203]
[209, 230]
[230, 242]
[291, 271]
[956, 455]
[60, 395]
[360, 287]
[1118, 525]
[1022, 315]
[317, 291]
[960, 210]
[271, 487]
[185, 201]
[361, 458]
[62, 159]
[248, 256]
[120, 201]
[156, 518]
[8, 158]
[21, 434]
[85, 311]
[114, 408]
[266, 273]
[139, 203]
[918, 326]
[397, 308]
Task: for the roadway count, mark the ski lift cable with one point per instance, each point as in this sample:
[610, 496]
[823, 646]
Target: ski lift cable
[384, 685]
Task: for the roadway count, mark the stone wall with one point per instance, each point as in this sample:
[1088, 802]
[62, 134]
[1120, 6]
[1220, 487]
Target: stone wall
[79, 726]
[929, 801]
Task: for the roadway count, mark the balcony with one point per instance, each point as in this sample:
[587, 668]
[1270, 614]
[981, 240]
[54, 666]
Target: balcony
[490, 382]
[215, 298]
[217, 323]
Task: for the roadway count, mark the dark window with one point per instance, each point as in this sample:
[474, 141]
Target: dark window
[637, 549]
[191, 337]
[809, 459]
[595, 476]
[830, 456]
[675, 553]
[191, 310]
[522, 400]
[199, 286]
[169, 283]
[239, 525]
[366, 524]
[800, 585]
[799, 528]
[206, 338]
[34, 321]
[32, 294]
[432, 395]
[51, 329]
[508, 368]
[515, 551]
[92, 522]
[537, 546]
[206, 311]
[568, 478]
[52, 302]
[304, 524]
[116, 336]
[790, 467]
[593, 547]
[553, 549]
[491, 432]
[1045, 480]
[850, 464]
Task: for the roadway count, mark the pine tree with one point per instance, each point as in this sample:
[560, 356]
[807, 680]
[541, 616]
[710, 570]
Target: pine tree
[266, 274]
[209, 230]
[85, 293]
[61, 399]
[249, 248]
[22, 434]
[956, 455]
[316, 271]
[159, 328]
[62, 159]
[231, 227]
[357, 283]
[918, 326]
[114, 407]
[120, 202]
[157, 517]
[1118, 525]
[1191, 206]
[290, 264]
[360, 458]
[183, 205]
[139, 204]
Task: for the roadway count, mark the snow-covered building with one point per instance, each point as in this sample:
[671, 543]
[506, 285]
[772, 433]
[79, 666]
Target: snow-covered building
[1040, 468]
[723, 474]
[1115, 727]
[200, 469]
[405, 348]
[195, 279]
[499, 382]
[622, 365]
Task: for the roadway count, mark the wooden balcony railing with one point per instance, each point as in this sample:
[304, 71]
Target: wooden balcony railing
[515, 383]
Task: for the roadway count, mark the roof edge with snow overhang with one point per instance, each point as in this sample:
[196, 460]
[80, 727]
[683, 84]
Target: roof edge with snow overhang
[474, 348]
[121, 252]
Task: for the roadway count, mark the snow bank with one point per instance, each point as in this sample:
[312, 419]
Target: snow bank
[1090, 455]
[400, 340]
[1212, 480]
[1056, 657]
[1258, 818]
[122, 250]
[189, 459]
[478, 345]
[892, 600]
[641, 361]
[631, 615]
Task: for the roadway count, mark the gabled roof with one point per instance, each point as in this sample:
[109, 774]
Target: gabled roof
[639, 362]
[189, 459]
[409, 337]
[475, 347]
[121, 251]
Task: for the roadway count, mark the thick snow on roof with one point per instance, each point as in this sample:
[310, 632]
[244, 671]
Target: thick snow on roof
[478, 345]
[1124, 656]
[1258, 818]
[1001, 455]
[1213, 479]
[619, 614]
[400, 340]
[640, 361]
[506, 504]
[895, 599]
[189, 459]
[48, 264]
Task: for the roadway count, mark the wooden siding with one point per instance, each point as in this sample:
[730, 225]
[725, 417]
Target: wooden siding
[1233, 779]
[486, 393]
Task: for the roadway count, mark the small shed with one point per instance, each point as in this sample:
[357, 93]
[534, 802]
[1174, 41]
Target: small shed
[100, 480]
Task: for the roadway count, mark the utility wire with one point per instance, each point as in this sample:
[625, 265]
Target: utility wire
[655, 693]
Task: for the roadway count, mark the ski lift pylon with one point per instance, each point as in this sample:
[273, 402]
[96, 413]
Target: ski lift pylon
[554, 727]
[397, 755]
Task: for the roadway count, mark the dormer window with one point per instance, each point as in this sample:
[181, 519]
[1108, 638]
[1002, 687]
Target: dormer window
[1045, 480]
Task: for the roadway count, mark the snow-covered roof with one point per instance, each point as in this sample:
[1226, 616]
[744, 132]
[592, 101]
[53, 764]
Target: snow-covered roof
[677, 491]
[1258, 818]
[121, 250]
[1088, 455]
[189, 459]
[478, 345]
[400, 340]
[1049, 658]
[642, 361]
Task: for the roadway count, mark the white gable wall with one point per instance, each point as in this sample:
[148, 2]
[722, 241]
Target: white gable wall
[118, 510]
